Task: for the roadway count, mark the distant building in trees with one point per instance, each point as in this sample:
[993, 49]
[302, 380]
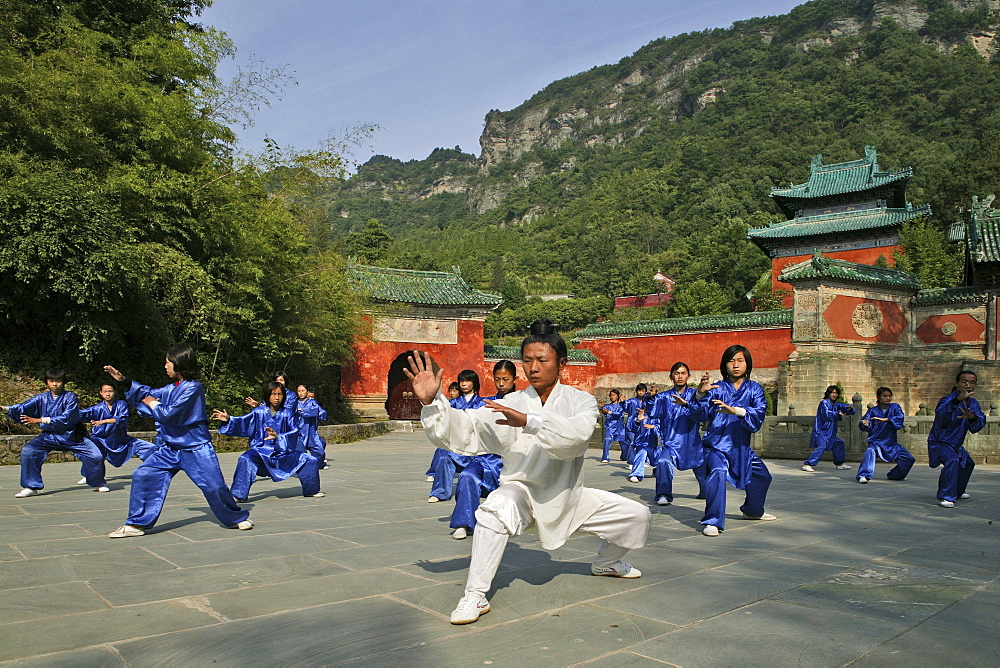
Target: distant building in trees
[659, 298]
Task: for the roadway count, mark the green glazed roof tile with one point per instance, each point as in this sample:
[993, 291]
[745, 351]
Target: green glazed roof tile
[843, 177]
[842, 221]
[756, 320]
[827, 267]
[431, 288]
[944, 296]
[983, 235]
[513, 353]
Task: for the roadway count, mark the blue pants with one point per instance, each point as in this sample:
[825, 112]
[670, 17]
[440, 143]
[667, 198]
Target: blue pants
[151, 480]
[954, 477]
[717, 467]
[134, 446]
[251, 464]
[904, 462]
[664, 467]
[317, 448]
[839, 454]
[640, 456]
[609, 438]
[446, 464]
[471, 489]
[35, 451]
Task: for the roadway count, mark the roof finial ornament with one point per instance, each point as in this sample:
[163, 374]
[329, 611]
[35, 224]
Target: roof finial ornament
[817, 163]
[817, 258]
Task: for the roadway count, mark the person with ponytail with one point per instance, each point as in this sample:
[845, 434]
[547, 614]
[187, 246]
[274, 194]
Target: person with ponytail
[542, 434]
[445, 464]
[680, 440]
[614, 425]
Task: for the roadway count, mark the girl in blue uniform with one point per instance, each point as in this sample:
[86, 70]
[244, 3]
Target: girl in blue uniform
[632, 407]
[956, 415]
[734, 409]
[680, 439]
[185, 444]
[57, 413]
[614, 424]
[643, 445]
[274, 438]
[482, 475]
[307, 415]
[453, 393]
[824, 437]
[447, 463]
[321, 418]
[109, 430]
[882, 421]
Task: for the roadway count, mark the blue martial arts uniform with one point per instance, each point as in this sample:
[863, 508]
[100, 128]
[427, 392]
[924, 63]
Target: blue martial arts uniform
[112, 438]
[824, 433]
[63, 413]
[728, 455]
[307, 415]
[614, 427]
[680, 442]
[185, 444]
[475, 482]
[644, 444]
[882, 443]
[632, 406]
[945, 444]
[279, 458]
[447, 463]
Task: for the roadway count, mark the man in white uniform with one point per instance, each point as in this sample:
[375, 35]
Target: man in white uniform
[542, 434]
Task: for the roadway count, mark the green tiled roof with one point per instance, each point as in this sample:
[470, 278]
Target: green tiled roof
[828, 267]
[757, 320]
[513, 353]
[834, 223]
[943, 296]
[843, 177]
[983, 236]
[429, 288]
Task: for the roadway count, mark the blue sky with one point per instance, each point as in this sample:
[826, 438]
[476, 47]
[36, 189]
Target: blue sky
[427, 72]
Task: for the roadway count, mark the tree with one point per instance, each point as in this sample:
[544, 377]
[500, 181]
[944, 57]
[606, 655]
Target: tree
[928, 254]
[370, 244]
[699, 298]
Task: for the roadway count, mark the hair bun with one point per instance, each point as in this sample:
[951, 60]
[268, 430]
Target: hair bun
[542, 327]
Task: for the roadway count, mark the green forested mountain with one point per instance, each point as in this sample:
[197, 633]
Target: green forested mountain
[662, 161]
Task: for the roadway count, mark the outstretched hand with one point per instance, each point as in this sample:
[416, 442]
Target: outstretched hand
[511, 417]
[221, 416]
[705, 386]
[679, 400]
[114, 373]
[426, 383]
[722, 407]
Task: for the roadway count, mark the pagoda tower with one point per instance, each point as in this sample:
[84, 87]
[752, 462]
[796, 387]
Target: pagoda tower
[848, 210]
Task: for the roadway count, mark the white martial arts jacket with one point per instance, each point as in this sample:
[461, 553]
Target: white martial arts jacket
[545, 458]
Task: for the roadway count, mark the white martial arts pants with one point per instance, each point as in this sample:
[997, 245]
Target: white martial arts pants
[621, 522]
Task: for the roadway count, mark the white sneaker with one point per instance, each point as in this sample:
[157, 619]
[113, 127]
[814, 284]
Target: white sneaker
[470, 608]
[843, 467]
[806, 467]
[946, 504]
[317, 495]
[662, 500]
[633, 478]
[862, 480]
[102, 488]
[127, 531]
[619, 569]
[710, 530]
[964, 496]
[430, 478]
[766, 517]
[605, 461]
[460, 533]
[433, 499]
[26, 492]
[81, 481]
[245, 525]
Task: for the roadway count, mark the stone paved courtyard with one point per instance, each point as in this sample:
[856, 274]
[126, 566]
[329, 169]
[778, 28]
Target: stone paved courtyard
[849, 574]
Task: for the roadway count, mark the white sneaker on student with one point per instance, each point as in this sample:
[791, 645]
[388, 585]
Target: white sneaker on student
[127, 531]
[470, 608]
[633, 478]
[964, 496]
[766, 517]
[317, 495]
[245, 525]
[662, 500]
[619, 569]
[862, 480]
[102, 488]
[710, 530]
[430, 478]
[460, 533]
[26, 492]
[433, 499]
[806, 467]
[81, 481]
[842, 467]
[946, 504]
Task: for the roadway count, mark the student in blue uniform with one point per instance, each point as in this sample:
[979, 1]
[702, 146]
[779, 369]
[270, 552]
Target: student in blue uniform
[614, 424]
[290, 400]
[734, 409]
[185, 444]
[632, 407]
[57, 413]
[482, 475]
[956, 415]
[320, 419]
[824, 437]
[274, 446]
[680, 439]
[109, 430]
[448, 463]
[645, 443]
[453, 393]
[306, 414]
[882, 421]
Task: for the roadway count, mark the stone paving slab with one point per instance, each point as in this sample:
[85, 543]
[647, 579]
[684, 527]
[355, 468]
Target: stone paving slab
[872, 574]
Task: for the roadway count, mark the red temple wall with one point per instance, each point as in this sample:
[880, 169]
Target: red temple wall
[838, 315]
[859, 255]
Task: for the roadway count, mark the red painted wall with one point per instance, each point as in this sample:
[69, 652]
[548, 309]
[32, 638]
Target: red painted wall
[699, 351]
[368, 374]
[861, 256]
[968, 329]
[840, 312]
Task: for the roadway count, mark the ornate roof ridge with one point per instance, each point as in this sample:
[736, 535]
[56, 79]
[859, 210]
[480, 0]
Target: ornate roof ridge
[822, 224]
[819, 266]
[752, 320]
[412, 286]
[514, 353]
[824, 180]
[959, 295]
